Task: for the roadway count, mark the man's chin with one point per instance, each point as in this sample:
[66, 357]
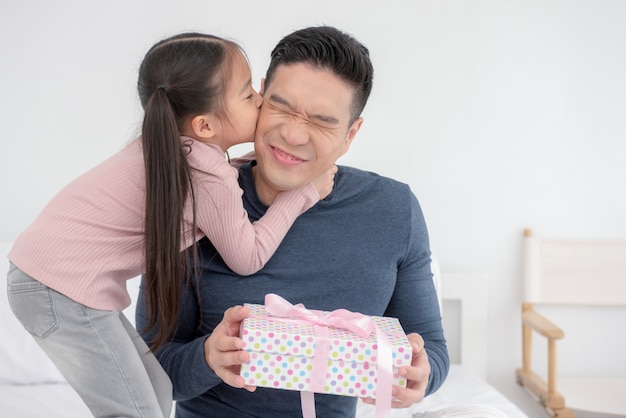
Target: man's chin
[283, 186]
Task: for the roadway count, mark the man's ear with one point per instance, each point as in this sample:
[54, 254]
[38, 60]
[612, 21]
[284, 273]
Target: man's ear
[204, 126]
[354, 129]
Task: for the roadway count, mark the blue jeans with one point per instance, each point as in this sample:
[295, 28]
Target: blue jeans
[99, 352]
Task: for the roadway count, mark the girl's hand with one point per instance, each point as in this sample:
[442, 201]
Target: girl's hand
[324, 183]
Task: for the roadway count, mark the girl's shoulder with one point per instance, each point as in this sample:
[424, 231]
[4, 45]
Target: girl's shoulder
[207, 158]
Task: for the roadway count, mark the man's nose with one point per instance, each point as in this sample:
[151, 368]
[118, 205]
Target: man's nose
[295, 132]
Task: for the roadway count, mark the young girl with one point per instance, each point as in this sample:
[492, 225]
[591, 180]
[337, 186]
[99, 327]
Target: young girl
[135, 213]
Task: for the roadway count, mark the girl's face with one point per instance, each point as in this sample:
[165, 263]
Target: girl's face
[241, 104]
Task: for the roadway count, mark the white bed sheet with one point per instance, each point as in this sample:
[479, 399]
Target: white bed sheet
[461, 388]
[60, 401]
[464, 387]
[52, 400]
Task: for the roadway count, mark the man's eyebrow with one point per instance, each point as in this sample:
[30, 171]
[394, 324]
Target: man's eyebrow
[321, 117]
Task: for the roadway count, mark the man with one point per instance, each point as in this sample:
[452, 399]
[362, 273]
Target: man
[364, 248]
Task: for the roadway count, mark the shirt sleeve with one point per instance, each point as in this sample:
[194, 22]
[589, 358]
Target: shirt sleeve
[414, 301]
[246, 246]
[246, 158]
[183, 358]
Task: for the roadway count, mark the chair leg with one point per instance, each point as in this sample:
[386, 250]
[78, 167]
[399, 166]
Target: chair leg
[551, 367]
[564, 413]
[527, 341]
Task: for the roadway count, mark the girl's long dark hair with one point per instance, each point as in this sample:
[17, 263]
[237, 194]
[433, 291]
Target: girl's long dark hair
[179, 78]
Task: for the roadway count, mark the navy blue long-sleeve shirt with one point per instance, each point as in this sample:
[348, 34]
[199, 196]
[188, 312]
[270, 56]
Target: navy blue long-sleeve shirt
[364, 248]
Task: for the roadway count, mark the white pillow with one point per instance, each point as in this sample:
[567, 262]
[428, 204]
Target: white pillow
[21, 359]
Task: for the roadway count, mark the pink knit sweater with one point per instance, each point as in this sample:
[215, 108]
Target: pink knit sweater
[89, 238]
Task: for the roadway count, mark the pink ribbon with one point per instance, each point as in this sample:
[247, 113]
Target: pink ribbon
[359, 324]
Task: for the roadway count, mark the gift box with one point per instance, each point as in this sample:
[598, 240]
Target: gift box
[315, 352]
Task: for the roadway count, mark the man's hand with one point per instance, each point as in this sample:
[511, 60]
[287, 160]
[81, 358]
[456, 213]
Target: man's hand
[416, 374]
[223, 349]
[239, 161]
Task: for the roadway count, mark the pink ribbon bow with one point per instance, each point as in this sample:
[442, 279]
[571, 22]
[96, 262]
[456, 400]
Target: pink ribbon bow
[359, 324]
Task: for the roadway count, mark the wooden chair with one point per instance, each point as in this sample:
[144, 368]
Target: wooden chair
[571, 272]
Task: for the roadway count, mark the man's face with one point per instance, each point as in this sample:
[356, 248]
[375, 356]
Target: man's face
[303, 128]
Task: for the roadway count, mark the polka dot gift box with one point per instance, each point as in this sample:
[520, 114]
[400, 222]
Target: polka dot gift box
[307, 354]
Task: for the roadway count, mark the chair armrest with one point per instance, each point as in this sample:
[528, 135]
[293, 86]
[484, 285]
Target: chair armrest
[541, 324]
[537, 386]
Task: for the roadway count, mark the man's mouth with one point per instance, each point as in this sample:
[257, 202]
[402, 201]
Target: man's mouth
[285, 158]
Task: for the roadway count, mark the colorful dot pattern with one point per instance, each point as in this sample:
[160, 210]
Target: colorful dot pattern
[281, 355]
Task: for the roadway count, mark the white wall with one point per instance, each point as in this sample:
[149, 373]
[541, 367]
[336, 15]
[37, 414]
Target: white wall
[499, 114]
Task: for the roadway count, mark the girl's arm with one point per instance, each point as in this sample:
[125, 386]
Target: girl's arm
[246, 246]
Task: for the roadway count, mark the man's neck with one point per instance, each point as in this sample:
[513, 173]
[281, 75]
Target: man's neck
[266, 194]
